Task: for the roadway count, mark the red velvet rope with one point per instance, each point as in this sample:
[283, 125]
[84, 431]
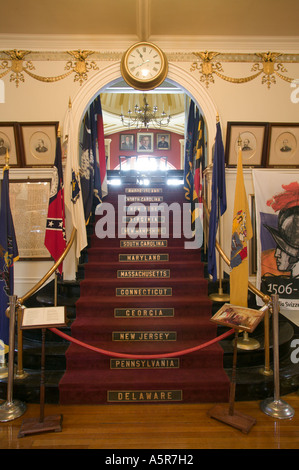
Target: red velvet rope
[132, 356]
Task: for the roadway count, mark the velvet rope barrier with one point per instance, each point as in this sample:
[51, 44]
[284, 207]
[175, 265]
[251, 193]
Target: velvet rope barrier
[132, 356]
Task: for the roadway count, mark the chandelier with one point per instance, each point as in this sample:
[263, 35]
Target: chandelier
[145, 117]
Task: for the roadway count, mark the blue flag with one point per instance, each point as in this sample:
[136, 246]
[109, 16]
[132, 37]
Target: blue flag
[218, 204]
[8, 255]
[94, 144]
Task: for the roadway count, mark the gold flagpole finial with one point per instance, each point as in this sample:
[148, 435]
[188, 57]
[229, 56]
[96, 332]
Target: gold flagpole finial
[217, 117]
[239, 141]
[58, 131]
[6, 161]
[70, 102]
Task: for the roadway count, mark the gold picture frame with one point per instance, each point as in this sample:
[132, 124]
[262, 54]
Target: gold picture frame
[240, 318]
[38, 143]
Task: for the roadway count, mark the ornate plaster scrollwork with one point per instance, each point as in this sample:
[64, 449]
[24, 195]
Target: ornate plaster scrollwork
[269, 67]
[80, 67]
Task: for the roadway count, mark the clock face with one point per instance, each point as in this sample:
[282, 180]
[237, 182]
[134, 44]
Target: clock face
[144, 65]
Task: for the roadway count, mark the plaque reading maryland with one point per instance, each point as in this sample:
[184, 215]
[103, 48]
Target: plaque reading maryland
[143, 291]
[144, 395]
[144, 336]
[143, 243]
[163, 363]
[143, 312]
[143, 257]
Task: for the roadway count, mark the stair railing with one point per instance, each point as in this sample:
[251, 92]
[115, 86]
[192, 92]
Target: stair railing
[265, 298]
[20, 301]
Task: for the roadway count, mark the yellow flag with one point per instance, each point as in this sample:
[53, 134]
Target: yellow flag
[241, 233]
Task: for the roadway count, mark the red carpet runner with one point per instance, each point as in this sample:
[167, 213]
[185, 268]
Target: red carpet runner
[143, 301]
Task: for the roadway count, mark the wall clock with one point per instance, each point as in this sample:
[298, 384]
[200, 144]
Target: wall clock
[144, 66]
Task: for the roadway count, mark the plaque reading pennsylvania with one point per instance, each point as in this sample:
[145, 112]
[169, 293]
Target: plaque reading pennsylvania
[163, 363]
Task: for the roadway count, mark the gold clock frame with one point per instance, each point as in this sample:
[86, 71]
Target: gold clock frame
[149, 84]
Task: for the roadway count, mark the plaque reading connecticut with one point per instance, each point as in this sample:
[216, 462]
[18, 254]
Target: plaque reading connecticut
[143, 291]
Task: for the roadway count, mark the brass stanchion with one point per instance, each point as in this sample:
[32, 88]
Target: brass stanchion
[11, 409]
[20, 373]
[266, 370]
[276, 407]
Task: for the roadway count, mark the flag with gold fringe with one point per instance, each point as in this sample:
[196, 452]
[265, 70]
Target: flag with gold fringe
[188, 167]
[197, 178]
[241, 233]
[8, 256]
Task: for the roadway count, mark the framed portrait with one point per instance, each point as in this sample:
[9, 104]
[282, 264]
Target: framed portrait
[9, 140]
[127, 142]
[240, 318]
[253, 137]
[29, 201]
[145, 142]
[283, 147]
[38, 141]
[163, 141]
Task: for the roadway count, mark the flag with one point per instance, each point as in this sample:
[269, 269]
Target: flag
[188, 167]
[55, 238]
[97, 189]
[218, 204]
[8, 256]
[101, 146]
[197, 183]
[74, 211]
[87, 168]
[241, 233]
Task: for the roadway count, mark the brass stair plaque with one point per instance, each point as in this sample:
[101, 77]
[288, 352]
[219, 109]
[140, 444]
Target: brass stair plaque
[144, 395]
[143, 273]
[163, 363]
[143, 312]
[143, 291]
[143, 243]
[144, 336]
[143, 257]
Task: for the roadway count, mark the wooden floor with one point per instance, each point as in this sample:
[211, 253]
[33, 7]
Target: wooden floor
[115, 427]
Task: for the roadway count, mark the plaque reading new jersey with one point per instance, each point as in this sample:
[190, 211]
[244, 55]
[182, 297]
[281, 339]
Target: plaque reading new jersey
[143, 257]
[143, 243]
[144, 395]
[144, 198]
[144, 190]
[143, 312]
[143, 291]
[144, 336]
[171, 363]
[145, 273]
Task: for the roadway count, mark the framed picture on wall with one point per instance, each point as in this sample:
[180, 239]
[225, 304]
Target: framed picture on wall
[253, 137]
[145, 142]
[127, 142]
[9, 140]
[163, 141]
[38, 143]
[283, 147]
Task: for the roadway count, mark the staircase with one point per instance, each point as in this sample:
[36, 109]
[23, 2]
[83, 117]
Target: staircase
[143, 301]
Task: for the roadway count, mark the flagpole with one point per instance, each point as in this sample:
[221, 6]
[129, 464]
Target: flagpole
[220, 296]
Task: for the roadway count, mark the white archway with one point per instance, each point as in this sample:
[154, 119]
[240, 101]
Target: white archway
[176, 74]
